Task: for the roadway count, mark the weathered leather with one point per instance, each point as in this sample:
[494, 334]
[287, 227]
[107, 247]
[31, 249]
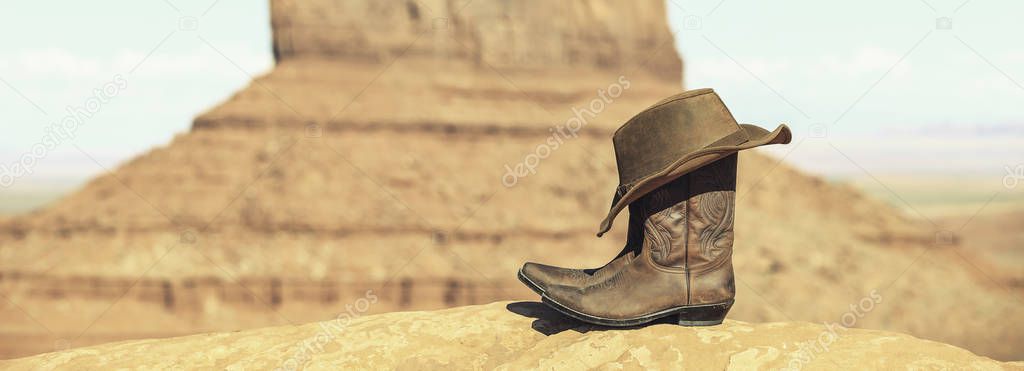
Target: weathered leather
[674, 137]
[544, 276]
[671, 129]
[686, 254]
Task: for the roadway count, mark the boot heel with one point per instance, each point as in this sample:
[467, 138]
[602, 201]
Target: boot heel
[704, 315]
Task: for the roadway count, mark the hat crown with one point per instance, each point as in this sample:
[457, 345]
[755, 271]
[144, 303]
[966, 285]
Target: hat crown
[669, 130]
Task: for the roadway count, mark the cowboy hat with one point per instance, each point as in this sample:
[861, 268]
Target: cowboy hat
[676, 136]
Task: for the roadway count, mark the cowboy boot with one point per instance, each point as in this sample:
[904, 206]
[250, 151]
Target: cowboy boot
[684, 268]
[538, 277]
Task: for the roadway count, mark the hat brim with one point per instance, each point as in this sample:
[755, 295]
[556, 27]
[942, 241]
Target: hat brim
[757, 135]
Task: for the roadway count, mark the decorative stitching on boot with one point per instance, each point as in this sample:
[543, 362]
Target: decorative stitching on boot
[662, 230]
[717, 208]
[657, 238]
[664, 224]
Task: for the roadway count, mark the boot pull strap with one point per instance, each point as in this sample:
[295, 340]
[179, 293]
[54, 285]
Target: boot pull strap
[619, 192]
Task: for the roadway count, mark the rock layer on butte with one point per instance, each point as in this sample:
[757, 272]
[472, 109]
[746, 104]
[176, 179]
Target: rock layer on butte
[372, 160]
[524, 335]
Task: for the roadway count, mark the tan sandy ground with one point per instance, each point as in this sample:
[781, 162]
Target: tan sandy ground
[520, 335]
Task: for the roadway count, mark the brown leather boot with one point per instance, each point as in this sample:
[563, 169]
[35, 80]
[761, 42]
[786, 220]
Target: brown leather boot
[538, 277]
[684, 268]
[656, 151]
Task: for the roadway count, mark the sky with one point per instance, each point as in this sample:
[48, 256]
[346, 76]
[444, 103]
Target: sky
[870, 87]
[176, 58]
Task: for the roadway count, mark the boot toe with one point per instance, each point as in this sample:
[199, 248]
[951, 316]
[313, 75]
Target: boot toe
[565, 296]
[539, 275]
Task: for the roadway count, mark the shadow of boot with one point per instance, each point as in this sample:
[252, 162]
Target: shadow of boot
[547, 320]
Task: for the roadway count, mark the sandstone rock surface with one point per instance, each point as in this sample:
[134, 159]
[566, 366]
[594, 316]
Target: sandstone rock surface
[521, 335]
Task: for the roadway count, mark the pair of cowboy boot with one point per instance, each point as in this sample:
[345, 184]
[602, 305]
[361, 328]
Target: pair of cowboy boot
[677, 175]
[677, 259]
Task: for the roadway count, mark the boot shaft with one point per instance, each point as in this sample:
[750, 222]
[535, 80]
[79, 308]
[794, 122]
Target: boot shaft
[688, 223]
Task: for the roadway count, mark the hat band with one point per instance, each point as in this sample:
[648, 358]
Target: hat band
[734, 139]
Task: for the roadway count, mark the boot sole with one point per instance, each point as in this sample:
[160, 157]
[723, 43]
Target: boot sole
[526, 281]
[692, 315]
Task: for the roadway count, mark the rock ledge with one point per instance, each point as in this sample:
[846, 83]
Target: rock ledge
[517, 336]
